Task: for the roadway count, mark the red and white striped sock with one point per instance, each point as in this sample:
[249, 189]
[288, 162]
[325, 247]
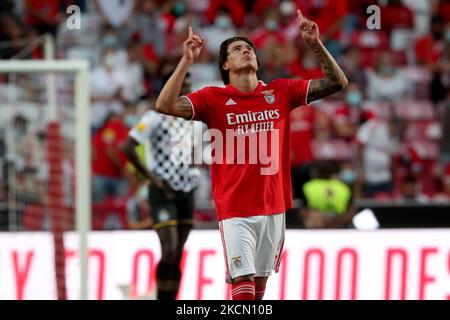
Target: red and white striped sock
[259, 293]
[243, 290]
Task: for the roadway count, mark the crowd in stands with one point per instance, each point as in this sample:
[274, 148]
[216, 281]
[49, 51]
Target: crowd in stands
[388, 134]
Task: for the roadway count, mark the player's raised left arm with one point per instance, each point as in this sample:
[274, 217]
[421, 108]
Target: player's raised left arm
[335, 79]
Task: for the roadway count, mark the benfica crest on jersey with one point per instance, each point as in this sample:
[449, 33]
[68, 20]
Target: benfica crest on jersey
[269, 96]
[237, 261]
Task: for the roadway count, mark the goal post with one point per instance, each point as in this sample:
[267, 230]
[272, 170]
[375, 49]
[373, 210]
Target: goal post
[80, 69]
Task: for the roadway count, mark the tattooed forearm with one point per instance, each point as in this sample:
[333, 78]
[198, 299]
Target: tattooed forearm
[183, 104]
[319, 89]
[181, 108]
[168, 101]
[335, 79]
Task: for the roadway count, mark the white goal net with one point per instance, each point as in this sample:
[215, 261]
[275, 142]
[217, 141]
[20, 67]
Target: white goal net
[45, 161]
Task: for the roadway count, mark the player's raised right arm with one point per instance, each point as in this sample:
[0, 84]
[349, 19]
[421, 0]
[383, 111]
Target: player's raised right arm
[168, 101]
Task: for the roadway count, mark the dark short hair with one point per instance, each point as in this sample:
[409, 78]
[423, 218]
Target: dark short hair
[325, 169]
[223, 56]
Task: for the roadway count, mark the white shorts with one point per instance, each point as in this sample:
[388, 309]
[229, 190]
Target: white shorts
[253, 245]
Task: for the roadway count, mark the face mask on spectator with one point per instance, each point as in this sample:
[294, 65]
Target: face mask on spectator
[271, 24]
[20, 131]
[354, 98]
[130, 120]
[348, 176]
[110, 41]
[223, 22]
[179, 9]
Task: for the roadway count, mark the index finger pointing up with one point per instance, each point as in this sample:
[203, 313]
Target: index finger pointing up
[191, 33]
[300, 16]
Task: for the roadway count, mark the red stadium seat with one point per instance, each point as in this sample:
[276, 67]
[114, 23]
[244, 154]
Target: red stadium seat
[370, 43]
[421, 78]
[110, 206]
[329, 107]
[426, 150]
[381, 110]
[425, 130]
[413, 110]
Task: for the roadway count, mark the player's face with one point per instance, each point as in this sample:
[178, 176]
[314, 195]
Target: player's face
[241, 56]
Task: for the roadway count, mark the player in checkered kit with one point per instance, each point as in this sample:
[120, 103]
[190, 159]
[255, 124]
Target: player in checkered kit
[168, 156]
[251, 199]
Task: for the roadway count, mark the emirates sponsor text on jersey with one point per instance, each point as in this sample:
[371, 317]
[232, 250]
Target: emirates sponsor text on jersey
[253, 122]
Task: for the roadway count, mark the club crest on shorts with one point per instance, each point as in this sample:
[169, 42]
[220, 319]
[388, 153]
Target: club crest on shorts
[163, 215]
[269, 96]
[237, 261]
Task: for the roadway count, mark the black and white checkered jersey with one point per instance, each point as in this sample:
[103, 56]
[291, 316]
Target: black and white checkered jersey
[168, 145]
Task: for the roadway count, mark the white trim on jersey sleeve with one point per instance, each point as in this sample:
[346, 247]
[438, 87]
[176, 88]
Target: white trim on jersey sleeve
[140, 132]
[192, 107]
[307, 92]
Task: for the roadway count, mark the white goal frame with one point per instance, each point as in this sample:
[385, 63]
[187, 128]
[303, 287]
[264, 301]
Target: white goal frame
[82, 144]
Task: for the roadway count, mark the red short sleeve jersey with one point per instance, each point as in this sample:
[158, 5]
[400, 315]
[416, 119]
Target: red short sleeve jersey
[302, 132]
[250, 171]
[47, 8]
[112, 135]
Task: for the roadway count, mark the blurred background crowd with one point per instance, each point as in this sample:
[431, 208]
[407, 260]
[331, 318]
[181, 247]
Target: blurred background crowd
[387, 137]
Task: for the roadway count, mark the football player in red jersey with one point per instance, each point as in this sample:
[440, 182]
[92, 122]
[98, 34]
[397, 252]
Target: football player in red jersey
[251, 199]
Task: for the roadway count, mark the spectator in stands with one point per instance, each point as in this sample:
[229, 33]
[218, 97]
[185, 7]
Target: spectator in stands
[43, 15]
[377, 143]
[309, 67]
[276, 52]
[396, 15]
[352, 66]
[302, 131]
[236, 9]
[110, 174]
[446, 182]
[346, 117]
[13, 29]
[326, 201]
[440, 84]
[114, 12]
[222, 28]
[410, 191]
[429, 48]
[387, 82]
[133, 70]
[117, 79]
[445, 137]
[145, 19]
[24, 156]
[3, 184]
[348, 174]
[331, 17]
[432, 50]
[443, 8]
[23, 149]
